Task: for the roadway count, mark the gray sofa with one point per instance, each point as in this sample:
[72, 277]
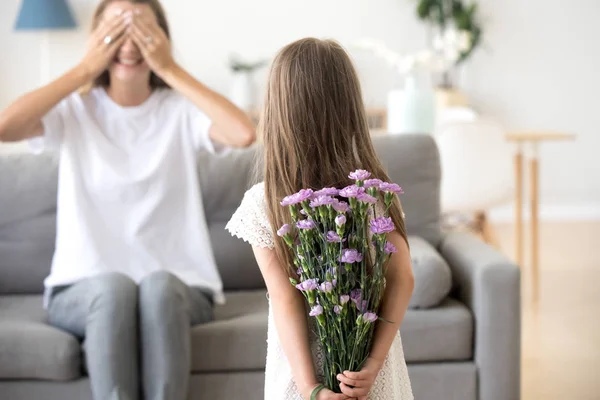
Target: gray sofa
[461, 335]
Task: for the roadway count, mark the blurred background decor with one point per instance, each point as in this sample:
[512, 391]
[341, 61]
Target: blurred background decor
[477, 173]
[242, 90]
[44, 16]
[455, 33]
[410, 107]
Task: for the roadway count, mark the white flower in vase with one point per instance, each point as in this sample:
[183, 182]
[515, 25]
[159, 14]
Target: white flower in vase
[452, 42]
[449, 45]
[412, 108]
[404, 64]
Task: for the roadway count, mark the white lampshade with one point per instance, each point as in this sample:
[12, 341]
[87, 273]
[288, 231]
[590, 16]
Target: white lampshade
[476, 166]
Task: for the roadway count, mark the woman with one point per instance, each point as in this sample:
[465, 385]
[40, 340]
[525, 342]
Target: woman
[315, 132]
[131, 232]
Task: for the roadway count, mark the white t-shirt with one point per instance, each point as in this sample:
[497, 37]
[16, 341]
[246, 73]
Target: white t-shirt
[128, 193]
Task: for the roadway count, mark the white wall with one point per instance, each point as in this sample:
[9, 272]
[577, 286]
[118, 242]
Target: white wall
[539, 69]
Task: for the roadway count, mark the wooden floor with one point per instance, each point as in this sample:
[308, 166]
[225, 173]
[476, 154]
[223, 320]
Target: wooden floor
[561, 330]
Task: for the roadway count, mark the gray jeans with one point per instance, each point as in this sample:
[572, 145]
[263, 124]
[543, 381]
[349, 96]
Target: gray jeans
[105, 310]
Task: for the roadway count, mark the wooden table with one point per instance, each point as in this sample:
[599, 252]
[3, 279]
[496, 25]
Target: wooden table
[534, 139]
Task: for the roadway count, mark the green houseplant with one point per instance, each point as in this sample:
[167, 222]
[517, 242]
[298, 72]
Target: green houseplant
[456, 30]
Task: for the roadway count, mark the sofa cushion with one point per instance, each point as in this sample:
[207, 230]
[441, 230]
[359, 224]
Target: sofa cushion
[27, 220]
[443, 333]
[413, 162]
[26, 247]
[230, 251]
[433, 278]
[236, 340]
[29, 186]
[31, 349]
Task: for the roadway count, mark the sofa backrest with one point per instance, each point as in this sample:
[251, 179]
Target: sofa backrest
[28, 207]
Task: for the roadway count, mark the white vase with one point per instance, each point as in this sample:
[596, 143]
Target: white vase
[242, 91]
[412, 109]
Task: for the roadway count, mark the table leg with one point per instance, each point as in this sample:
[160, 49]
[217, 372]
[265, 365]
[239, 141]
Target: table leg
[519, 204]
[534, 205]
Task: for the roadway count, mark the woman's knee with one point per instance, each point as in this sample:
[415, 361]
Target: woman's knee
[161, 289]
[115, 281]
[113, 289]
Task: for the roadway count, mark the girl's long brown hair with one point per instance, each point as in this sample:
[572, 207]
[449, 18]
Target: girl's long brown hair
[314, 128]
[155, 81]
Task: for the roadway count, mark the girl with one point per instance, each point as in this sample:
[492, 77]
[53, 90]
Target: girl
[315, 132]
[131, 233]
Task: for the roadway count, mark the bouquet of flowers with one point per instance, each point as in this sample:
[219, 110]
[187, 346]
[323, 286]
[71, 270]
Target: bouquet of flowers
[340, 252]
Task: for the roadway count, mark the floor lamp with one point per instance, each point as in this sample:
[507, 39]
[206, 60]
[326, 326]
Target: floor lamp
[44, 15]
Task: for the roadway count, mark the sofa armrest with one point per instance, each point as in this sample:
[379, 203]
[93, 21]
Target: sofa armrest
[489, 284]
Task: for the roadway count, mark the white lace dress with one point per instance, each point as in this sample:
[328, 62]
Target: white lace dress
[251, 224]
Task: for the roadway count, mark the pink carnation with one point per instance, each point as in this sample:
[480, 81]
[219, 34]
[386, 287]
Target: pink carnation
[359, 175]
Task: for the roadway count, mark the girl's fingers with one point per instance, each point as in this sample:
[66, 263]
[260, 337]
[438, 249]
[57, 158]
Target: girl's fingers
[341, 397]
[348, 381]
[354, 375]
[351, 392]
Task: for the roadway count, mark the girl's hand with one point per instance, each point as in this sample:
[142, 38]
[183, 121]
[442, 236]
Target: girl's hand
[323, 394]
[326, 394]
[358, 384]
[104, 43]
[151, 40]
